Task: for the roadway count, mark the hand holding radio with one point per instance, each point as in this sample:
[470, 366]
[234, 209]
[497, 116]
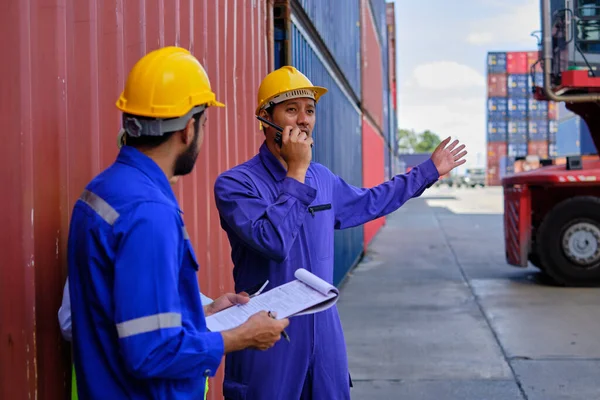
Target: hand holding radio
[296, 150]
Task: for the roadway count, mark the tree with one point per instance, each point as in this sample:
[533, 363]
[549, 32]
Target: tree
[411, 142]
[407, 141]
[429, 141]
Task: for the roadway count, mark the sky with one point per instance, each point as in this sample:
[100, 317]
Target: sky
[441, 49]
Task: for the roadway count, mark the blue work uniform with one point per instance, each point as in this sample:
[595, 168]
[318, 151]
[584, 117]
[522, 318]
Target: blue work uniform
[276, 225]
[138, 324]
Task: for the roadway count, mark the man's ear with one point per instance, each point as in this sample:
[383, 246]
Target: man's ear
[187, 135]
[265, 114]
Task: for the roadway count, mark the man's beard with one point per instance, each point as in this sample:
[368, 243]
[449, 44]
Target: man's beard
[184, 164]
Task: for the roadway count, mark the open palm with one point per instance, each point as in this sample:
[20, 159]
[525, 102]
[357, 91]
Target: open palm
[446, 158]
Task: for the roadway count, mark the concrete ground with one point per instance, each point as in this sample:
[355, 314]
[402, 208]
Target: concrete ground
[434, 312]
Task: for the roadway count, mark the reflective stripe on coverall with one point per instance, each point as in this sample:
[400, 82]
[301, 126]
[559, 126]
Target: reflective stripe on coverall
[64, 321]
[138, 324]
[276, 225]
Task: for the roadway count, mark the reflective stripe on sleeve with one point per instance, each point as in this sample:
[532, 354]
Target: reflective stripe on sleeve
[102, 208]
[148, 324]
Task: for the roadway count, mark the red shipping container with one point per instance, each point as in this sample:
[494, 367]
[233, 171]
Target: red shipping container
[552, 110]
[538, 148]
[493, 180]
[391, 24]
[532, 58]
[60, 121]
[372, 71]
[516, 62]
[496, 150]
[493, 172]
[373, 170]
[497, 85]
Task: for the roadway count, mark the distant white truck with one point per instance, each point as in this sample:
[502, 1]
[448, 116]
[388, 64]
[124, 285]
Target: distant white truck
[473, 177]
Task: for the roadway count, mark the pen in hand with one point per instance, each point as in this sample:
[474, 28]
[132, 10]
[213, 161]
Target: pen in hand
[283, 333]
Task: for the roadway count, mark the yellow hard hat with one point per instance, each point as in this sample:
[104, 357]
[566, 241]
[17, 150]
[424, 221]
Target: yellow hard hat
[166, 83]
[286, 83]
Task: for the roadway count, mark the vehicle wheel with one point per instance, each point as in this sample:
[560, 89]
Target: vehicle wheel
[568, 242]
[534, 259]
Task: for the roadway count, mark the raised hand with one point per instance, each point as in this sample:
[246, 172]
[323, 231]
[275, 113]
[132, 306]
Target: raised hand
[447, 158]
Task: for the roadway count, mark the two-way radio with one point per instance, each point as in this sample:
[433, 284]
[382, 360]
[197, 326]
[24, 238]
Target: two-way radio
[274, 126]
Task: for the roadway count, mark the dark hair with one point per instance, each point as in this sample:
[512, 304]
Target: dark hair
[151, 142]
[270, 110]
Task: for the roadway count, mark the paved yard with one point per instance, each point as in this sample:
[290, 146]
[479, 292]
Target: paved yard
[434, 312]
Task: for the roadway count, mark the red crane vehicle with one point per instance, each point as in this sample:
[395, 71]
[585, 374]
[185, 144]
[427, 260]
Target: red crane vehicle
[552, 214]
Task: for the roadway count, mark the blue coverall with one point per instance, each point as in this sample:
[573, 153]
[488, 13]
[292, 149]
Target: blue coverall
[276, 225]
[138, 323]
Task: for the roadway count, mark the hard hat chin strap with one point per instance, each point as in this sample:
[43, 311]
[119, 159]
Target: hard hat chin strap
[136, 127]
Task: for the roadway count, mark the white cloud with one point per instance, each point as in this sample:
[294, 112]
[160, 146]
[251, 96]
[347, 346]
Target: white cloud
[460, 116]
[445, 75]
[480, 37]
[511, 24]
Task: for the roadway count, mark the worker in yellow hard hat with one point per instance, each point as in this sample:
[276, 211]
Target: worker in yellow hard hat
[280, 211]
[138, 323]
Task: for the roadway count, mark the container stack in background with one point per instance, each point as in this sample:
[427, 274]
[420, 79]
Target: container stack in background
[392, 143]
[520, 129]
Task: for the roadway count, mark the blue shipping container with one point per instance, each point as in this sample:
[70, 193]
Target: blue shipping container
[552, 130]
[378, 8]
[517, 149]
[412, 160]
[496, 62]
[338, 138]
[497, 108]
[538, 129]
[517, 85]
[387, 98]
[497, 131]
[538, 109]
[587, 142]
[537, 79]
[568, 137]
[507, 166]
[386, 162]
[515, 138]
[517, 132]
[574, 138]
[393, 135]
[563, 112]
[339, 28]
[517, 108]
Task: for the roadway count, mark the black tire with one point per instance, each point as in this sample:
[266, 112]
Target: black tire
[534, 259]
[565, 266]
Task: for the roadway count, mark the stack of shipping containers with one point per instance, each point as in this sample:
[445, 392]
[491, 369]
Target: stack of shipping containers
[393, 113]
[61, 125]
[519, 127]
